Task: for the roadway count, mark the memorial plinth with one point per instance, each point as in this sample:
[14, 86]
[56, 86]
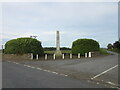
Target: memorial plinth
[58, 52]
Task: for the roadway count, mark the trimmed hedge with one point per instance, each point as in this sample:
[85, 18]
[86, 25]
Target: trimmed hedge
[24, 45]
[83, 46]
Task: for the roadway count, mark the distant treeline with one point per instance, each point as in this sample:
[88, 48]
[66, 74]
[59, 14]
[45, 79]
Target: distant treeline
[54, 48]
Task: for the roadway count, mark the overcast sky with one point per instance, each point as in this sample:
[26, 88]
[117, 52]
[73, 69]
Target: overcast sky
[94, 20]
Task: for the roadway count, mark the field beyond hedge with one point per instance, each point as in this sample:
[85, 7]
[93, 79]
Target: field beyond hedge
[63, 51]
[102, 51]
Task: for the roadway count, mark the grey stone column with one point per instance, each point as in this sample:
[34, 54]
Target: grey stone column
[57, 41]
[58, 52]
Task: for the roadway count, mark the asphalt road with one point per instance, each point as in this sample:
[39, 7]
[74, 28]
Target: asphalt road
[21, 76]
[81, 73]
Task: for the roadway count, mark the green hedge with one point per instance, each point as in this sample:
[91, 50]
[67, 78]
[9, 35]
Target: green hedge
[83, 46]
[23, 45]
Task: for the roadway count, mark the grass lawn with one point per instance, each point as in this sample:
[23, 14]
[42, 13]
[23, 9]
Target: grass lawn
[103, 51]
[63, 51]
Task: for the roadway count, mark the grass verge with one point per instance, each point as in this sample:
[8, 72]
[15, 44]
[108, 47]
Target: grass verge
[103, 51]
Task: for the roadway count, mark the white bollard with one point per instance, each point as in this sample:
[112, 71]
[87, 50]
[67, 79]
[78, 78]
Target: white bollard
[78, 55]
[89, 54]
[31, 56]
[45, 56]
[85, 55]
[70, 56]
[54, 56]
[37, 56]
[63, 56]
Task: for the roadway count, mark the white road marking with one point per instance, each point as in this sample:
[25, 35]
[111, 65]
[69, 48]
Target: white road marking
[39, 68]
[25, 65]
[16, 63]
[28, 66]
[104, 72]
[32, 67]
[64, 75]
[48, 71]
[45, 70]
[111, 83]
[97, 82]
[55, 72]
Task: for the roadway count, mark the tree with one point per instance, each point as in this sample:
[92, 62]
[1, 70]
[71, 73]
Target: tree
[116, 44]
[24, 45]
[110, 46]
[83, 46]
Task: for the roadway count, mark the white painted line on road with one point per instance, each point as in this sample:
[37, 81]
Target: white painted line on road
[48, 71]
[16, 63]
[111, 83]
[28, 66]
[45, 70]
[32, 67]
[55, 72]
[104, 72]
[97, 82]
[64, 75]
[39, 68]
[25, 65]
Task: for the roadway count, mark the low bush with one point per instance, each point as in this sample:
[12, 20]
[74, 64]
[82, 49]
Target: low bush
[83, 46]
[23, 45]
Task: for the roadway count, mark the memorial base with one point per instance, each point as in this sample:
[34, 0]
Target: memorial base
[58, 53]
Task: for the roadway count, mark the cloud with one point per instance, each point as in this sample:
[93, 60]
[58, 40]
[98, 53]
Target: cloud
[59, 0]
[73, 20]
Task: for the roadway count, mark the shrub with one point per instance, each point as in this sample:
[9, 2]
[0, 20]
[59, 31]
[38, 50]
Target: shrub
[116, 44]
[109, 46]
[83, 46]
[23, 45]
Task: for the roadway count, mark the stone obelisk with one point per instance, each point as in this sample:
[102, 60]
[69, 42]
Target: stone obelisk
[58, 52]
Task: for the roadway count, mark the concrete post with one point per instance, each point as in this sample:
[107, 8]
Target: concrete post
[78, 55]
[70, 56]
[37, 56]
[85, 55]
[45, 56]
[63, 56]
[2, 47]
[89, 54]
[31, 56]
[54, 56]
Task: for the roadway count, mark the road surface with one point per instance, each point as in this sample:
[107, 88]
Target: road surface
[98, 72]
[20, 76]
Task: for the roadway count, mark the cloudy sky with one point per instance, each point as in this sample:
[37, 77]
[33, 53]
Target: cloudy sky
[74, 20]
